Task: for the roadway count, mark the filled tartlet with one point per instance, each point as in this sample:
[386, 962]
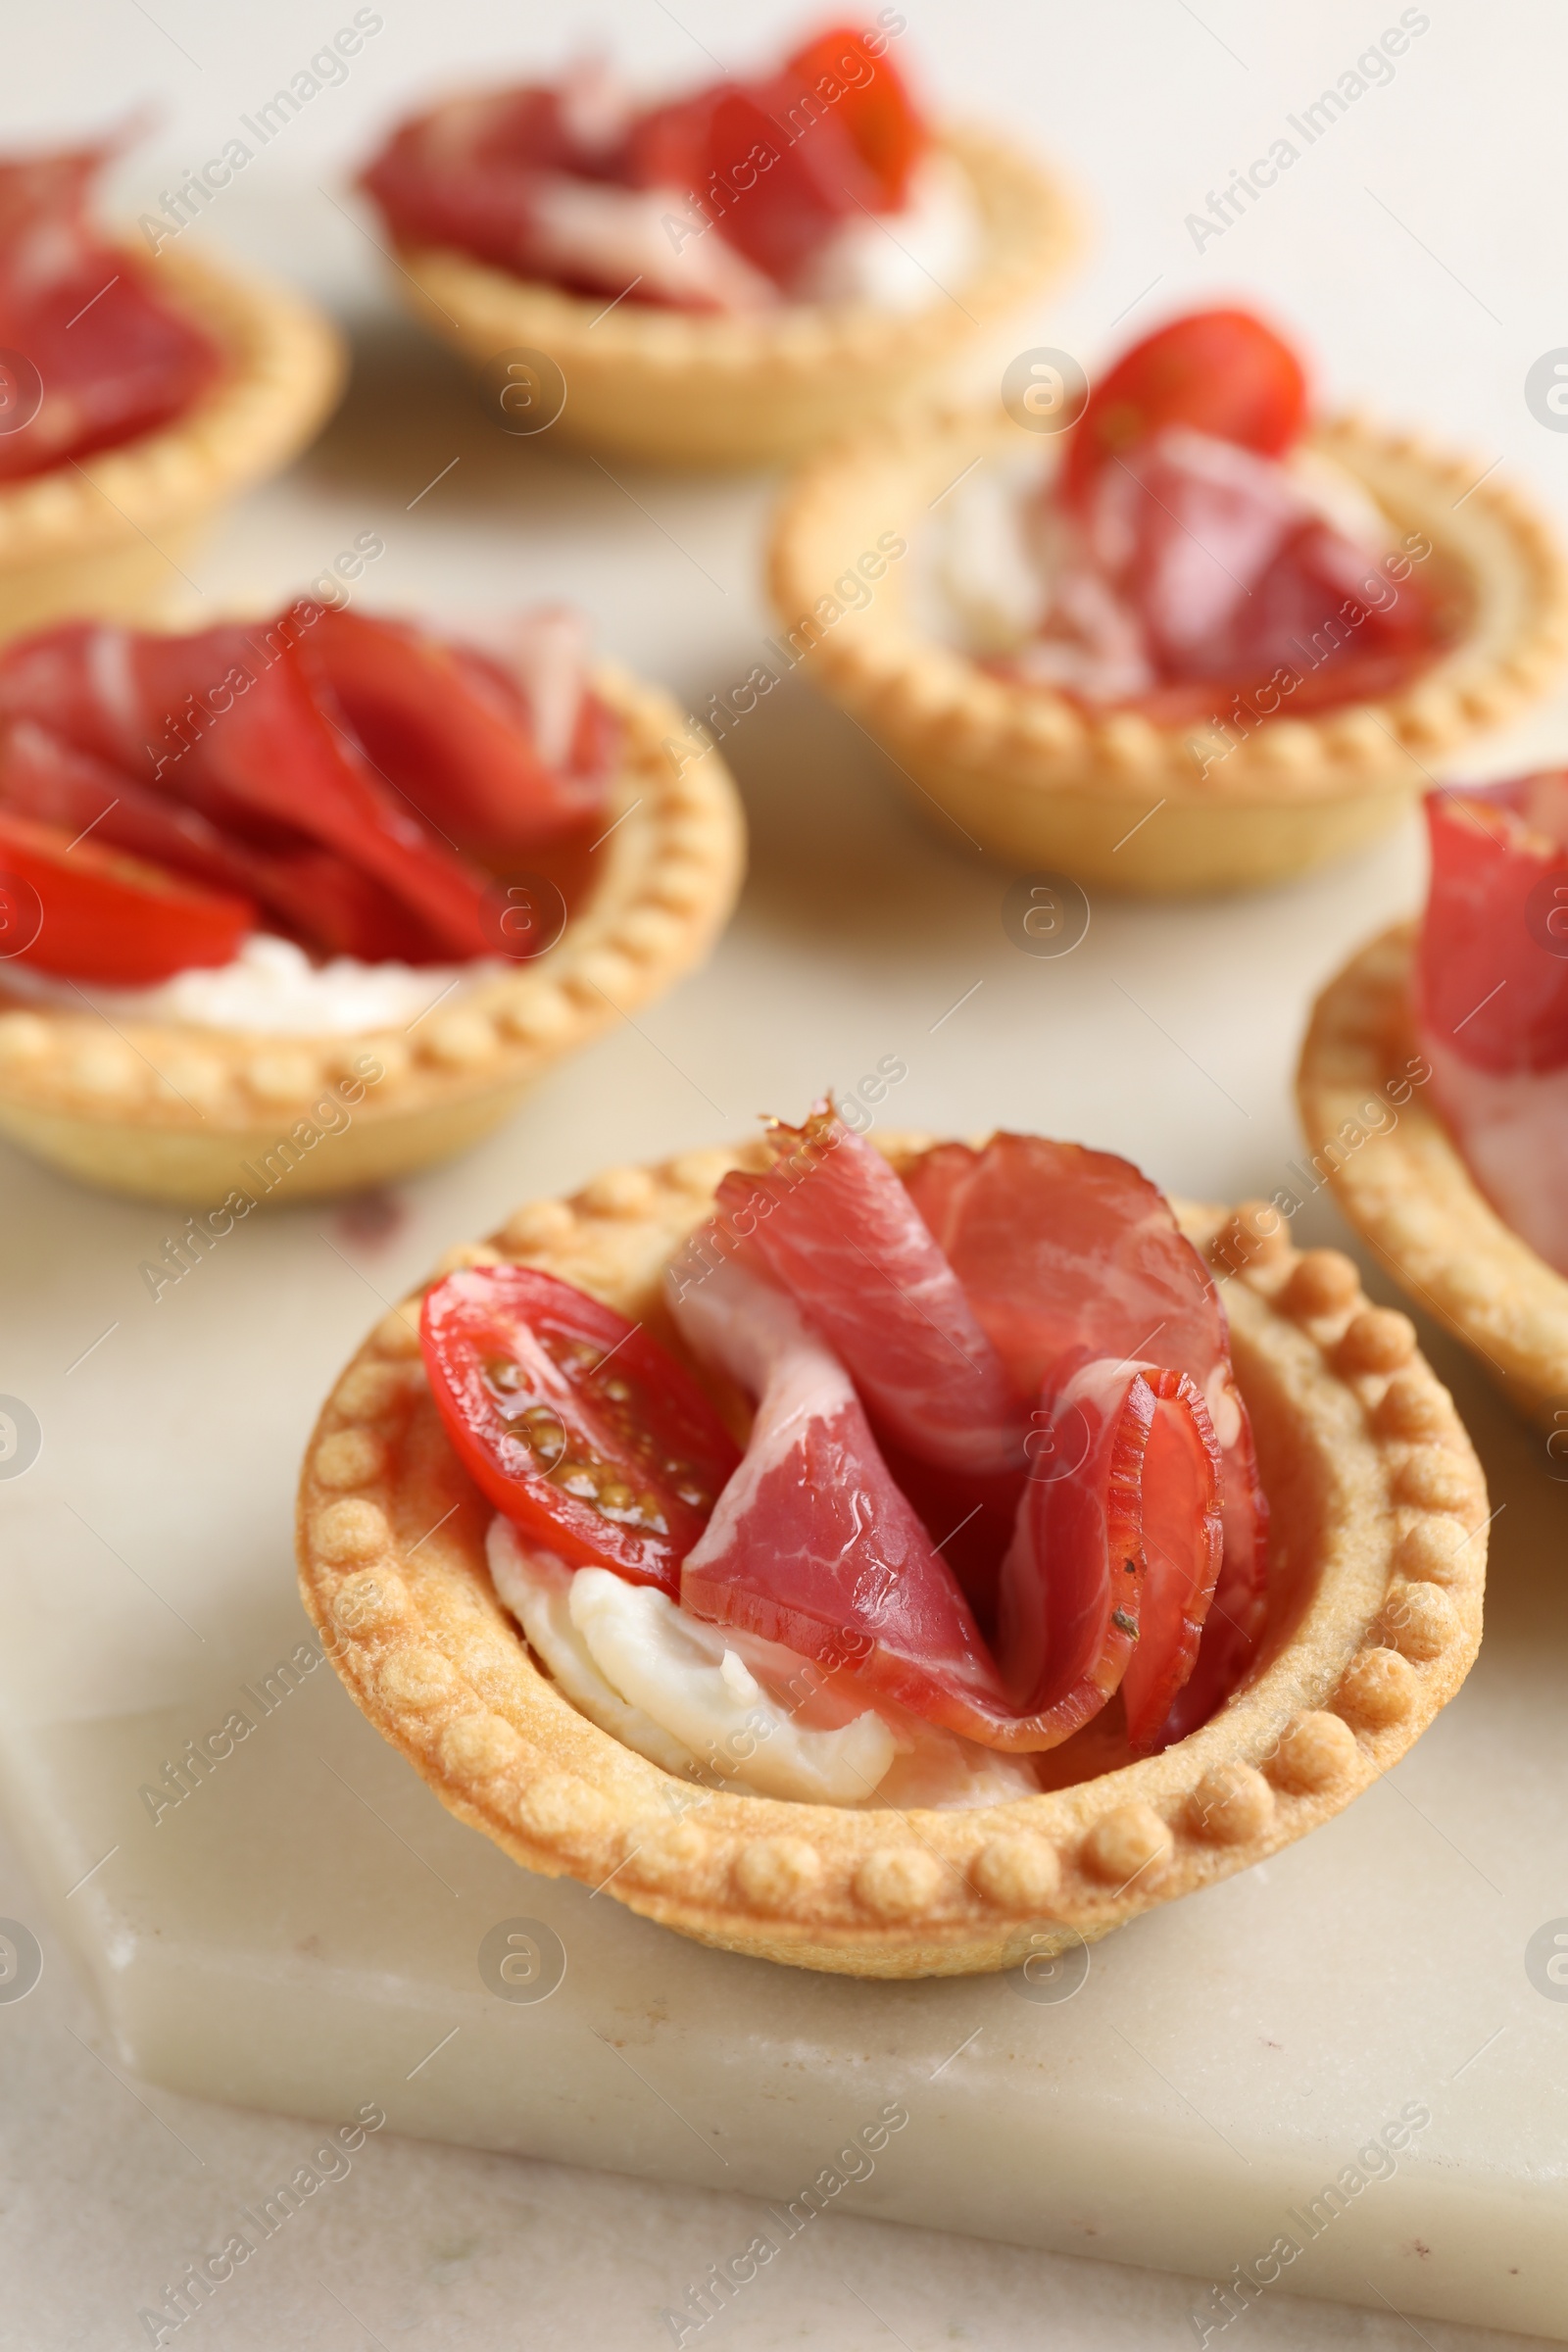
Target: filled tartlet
[725, 279]
[1434, 1087]
[861, 1556]
[295, 906]
[1187, 638]
[137, 394]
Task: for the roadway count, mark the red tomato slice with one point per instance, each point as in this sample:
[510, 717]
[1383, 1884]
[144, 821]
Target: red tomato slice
[869, 97]
[576, 1424]
[92, 914]
[1221, 371]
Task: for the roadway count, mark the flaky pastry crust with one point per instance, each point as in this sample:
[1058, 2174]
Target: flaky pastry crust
[175, 1111]
[1375, 1617]
[695, 388]
[104, 537]
[1409, 1193]
[1116, 798]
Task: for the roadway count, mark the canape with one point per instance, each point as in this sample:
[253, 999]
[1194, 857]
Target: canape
[726, 280]
[1193, 640]
[301, 906]
[1431, 1088]
[137, 395]
[981, 1646]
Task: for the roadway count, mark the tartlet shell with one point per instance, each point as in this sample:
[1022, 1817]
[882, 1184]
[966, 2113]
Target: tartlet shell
[1380, 1514]
[1410, 1195]
[1117, 798]
[103, 538]
[173, 1111]
[686, 388]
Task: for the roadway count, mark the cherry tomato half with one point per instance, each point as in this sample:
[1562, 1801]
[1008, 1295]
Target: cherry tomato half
[576, 1424]
[92, 914]
[1221, 371]
[870, 98]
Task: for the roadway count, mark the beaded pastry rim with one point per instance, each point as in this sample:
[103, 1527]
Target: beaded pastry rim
[1029, 231]
[927, 696]
[287, 368]
[1410, 1195]
[674, 850]
[1385, 1638]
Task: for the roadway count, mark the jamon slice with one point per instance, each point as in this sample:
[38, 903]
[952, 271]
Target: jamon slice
[453, 729]
[1197, 567]
[833, 1225]
[1491, 995]
[1062, 1249]
[543, 184]
[813, 1546]
[304, 891]
[1116, 1548]
[1183, 1547]
[565, 184]
[811, 1543]
[1492, 984]
[225, 723]
[114, 359]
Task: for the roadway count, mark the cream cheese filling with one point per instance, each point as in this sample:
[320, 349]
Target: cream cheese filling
[721, 1707]
[271, 986]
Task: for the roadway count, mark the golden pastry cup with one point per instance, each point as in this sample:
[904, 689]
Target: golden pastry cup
[1115, 798]
[699, 389]
[105, 538]
[176, 1111]
[1374, 1619]
[1410, 1195]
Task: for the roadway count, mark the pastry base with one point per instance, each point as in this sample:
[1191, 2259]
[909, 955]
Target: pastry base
[692, 389]
[1116, 800]
[1409, 1193]
[184, 1114]
[106, 538]
[1375, 1617]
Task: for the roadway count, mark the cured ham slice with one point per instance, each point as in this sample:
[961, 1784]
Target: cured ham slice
[1195, 568]
[1065, 1250]
[305, 892]
[1491, 971]
[1116, 1548]
[721, 200]
[453, 729]
[255, 753]
[833, 1224]
[1183, 1536]
[235, 756]
[113, 358]
[812, 1543]
[1491, 995]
